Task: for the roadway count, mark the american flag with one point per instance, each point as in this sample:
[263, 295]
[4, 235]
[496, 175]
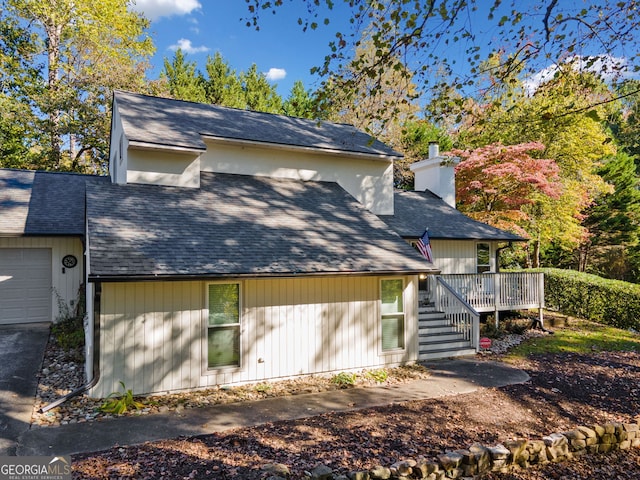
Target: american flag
[424, 246]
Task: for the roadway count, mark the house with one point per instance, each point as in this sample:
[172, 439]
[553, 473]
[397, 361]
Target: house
[460, 244]
[225, 247]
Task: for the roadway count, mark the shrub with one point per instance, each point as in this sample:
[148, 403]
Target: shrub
[344, 379]
[68, 329]
[611, 302]
[119, 402]
[378, 376]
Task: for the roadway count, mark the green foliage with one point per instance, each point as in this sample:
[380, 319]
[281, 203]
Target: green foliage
[300, 102]
[425, 34]
[68, 328]
[118, 403]
[344, 379]
[89, 48]
[579, 336]
[263, 387]
[183, 80]
[379, 376]
[582, 295]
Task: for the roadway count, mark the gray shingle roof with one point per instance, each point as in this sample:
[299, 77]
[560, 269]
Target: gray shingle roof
[42, 203]
[415, 211]
[239, 225]
[170, 122]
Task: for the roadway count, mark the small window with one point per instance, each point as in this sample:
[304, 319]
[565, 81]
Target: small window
[223, 326]
[483, 258]
[392, 309]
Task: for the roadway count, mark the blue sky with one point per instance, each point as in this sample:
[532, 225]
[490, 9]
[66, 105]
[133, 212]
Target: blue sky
[280, 49]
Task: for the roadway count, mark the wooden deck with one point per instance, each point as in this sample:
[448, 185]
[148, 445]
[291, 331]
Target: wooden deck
[495, 292]
[462, 297]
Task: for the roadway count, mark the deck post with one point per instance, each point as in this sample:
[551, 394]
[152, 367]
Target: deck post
[496, 297]
[541, 298]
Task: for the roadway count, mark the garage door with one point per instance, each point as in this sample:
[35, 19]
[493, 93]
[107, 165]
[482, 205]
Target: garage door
[25, 285]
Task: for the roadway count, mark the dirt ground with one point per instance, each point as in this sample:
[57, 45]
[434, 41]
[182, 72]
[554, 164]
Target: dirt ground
[565, 390]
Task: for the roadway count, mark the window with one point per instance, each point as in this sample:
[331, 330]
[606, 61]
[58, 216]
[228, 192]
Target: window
[223, 326]
[392, 310]
[483, 258]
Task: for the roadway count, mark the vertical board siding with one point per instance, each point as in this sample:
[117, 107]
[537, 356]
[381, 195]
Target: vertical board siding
[67, 284]
[153, 334]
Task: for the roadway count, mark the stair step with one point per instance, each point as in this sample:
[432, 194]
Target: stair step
[430, 315]
[440, 337]
[446, 353]
[435, 329]
[436, 344]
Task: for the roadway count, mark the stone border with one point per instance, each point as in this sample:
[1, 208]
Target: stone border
[477, 459]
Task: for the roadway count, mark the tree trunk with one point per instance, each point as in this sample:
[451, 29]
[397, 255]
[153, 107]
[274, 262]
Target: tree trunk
[535, 260]
[54, 34]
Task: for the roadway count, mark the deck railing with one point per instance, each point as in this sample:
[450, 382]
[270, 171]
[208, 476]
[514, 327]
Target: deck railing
[494, 292]
[461, 315]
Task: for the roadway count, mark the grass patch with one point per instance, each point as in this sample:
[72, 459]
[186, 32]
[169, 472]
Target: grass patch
[580, 336]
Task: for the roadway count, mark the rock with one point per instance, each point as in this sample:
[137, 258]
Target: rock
[499, 452]
[277, 469]
[380, 473]
[402, 468]
[358, 475]
[554, 440]
[321, 472]
[450, 460]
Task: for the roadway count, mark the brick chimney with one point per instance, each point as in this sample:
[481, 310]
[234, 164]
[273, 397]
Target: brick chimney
[436, 174]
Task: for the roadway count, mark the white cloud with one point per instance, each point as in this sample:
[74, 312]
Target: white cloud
[186, 46]
[275, 74]
[607, 67]
[154, 9]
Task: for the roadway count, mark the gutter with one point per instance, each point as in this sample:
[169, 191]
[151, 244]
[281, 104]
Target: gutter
[96, 356]
[97, 278]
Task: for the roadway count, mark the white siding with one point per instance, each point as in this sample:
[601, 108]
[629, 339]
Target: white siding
[152, 334]
[118, 149]
[65, 281]
[458, 256]
[369, 181]
[163, 168]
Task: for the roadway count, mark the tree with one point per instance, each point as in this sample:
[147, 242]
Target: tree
[259, 94]
[495, 184]
[427, 33]
[300, 103]
[625, 121]
[222, 85]
[183, 80]
[380, 105]
[416, 137]
[19, 82]
[613, 221]
[90, 49]
[567, 115]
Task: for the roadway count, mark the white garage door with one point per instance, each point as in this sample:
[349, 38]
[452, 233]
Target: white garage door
[25, 285]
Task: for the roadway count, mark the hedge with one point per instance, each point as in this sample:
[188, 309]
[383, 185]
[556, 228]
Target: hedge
[611, 302]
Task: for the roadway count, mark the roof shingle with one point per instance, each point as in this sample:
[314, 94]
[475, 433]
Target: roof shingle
[415, 211]
[42, 203]
[164, 121]
[239, 225]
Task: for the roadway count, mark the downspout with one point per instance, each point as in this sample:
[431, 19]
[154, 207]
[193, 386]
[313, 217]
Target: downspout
[96, 355]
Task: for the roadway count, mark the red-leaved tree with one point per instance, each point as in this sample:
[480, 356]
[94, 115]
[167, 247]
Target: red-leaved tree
[501, 184]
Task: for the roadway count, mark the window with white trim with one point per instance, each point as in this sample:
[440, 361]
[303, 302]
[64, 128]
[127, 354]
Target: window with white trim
[223, 325]
[392, 312]
[483, 257]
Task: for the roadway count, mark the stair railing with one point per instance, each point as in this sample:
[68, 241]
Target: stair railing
[461, 315]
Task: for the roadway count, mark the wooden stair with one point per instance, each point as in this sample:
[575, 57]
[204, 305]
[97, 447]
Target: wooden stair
[437, 338]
